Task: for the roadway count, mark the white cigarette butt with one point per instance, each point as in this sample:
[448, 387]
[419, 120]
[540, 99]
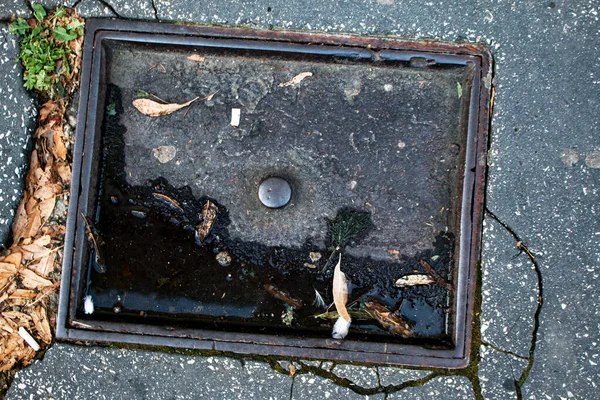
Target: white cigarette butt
[29, 339]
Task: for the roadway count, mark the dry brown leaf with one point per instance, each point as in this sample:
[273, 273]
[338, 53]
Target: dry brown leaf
[14, 258]
[43, 177]
[23, 294]
[7, 268]
[3, 296]
[414, 280]
[46, 109]
[46, 265]
[34, 251]
[196, 57]
[296, 80]
[30, 206]
[40, 321]
[6, 326]
[17, 317]
[45, 292]
[292, 370]
[209, 214]
[47, 207]
[43, 240]
[59, 150]
[340, 291]
[20, 223]
[152, 108]
[64, 172]
[31, 280]
[47, 191]
[54, 230]
[7, 272]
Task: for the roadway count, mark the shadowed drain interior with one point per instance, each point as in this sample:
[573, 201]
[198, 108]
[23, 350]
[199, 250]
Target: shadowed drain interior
[362, 165]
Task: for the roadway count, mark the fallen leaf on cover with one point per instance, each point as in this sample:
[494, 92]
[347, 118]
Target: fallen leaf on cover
[414, 280]
[340, 298]
[196, 57]
[296, 80]
[152, 108]
[209, 214]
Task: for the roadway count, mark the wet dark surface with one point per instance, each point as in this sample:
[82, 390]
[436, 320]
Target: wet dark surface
[382, 137]
[156, 272]
[382, 141]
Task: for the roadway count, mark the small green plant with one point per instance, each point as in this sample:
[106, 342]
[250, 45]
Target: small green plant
[45, 50]
[348, 226]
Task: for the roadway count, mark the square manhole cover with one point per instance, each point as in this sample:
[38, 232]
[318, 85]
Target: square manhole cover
[379, 146]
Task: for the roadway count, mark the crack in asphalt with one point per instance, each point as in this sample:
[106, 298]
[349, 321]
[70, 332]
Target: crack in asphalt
[28, 4]
[112, 10]
[536, 318]
[508, 353]
[155, 10]
[306, 369]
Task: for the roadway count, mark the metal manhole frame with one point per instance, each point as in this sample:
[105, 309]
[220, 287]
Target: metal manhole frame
[472, 199]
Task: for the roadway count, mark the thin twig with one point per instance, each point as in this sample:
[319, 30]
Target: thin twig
[158, 98]
[192, 103]
[91, 234]
[435, 275]
[329, 259]
[156, 65]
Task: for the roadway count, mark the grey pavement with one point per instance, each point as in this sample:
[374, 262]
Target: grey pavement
[17, 111]
[544, 174]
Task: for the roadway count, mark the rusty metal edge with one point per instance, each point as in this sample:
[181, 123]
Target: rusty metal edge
[452, 358]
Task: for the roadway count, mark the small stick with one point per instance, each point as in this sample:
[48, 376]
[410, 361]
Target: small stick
[329, 259]
[158, 98]
[204, 98]
[90, 233]
[156, 65]
[435, 275]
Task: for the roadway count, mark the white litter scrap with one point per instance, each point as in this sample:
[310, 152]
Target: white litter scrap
[236, 113]
[296, 80]
[29, 339]
[88, 304]
[414, 280]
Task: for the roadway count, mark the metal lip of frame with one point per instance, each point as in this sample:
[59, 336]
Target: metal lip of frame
[476, 57]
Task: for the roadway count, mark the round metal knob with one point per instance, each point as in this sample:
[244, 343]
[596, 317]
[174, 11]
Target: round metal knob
[274, 192]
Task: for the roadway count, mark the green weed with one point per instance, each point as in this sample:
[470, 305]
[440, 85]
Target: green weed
[46, 53]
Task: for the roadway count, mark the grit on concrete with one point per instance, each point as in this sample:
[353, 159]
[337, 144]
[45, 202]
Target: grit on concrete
[17, 112]
[544, 174]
